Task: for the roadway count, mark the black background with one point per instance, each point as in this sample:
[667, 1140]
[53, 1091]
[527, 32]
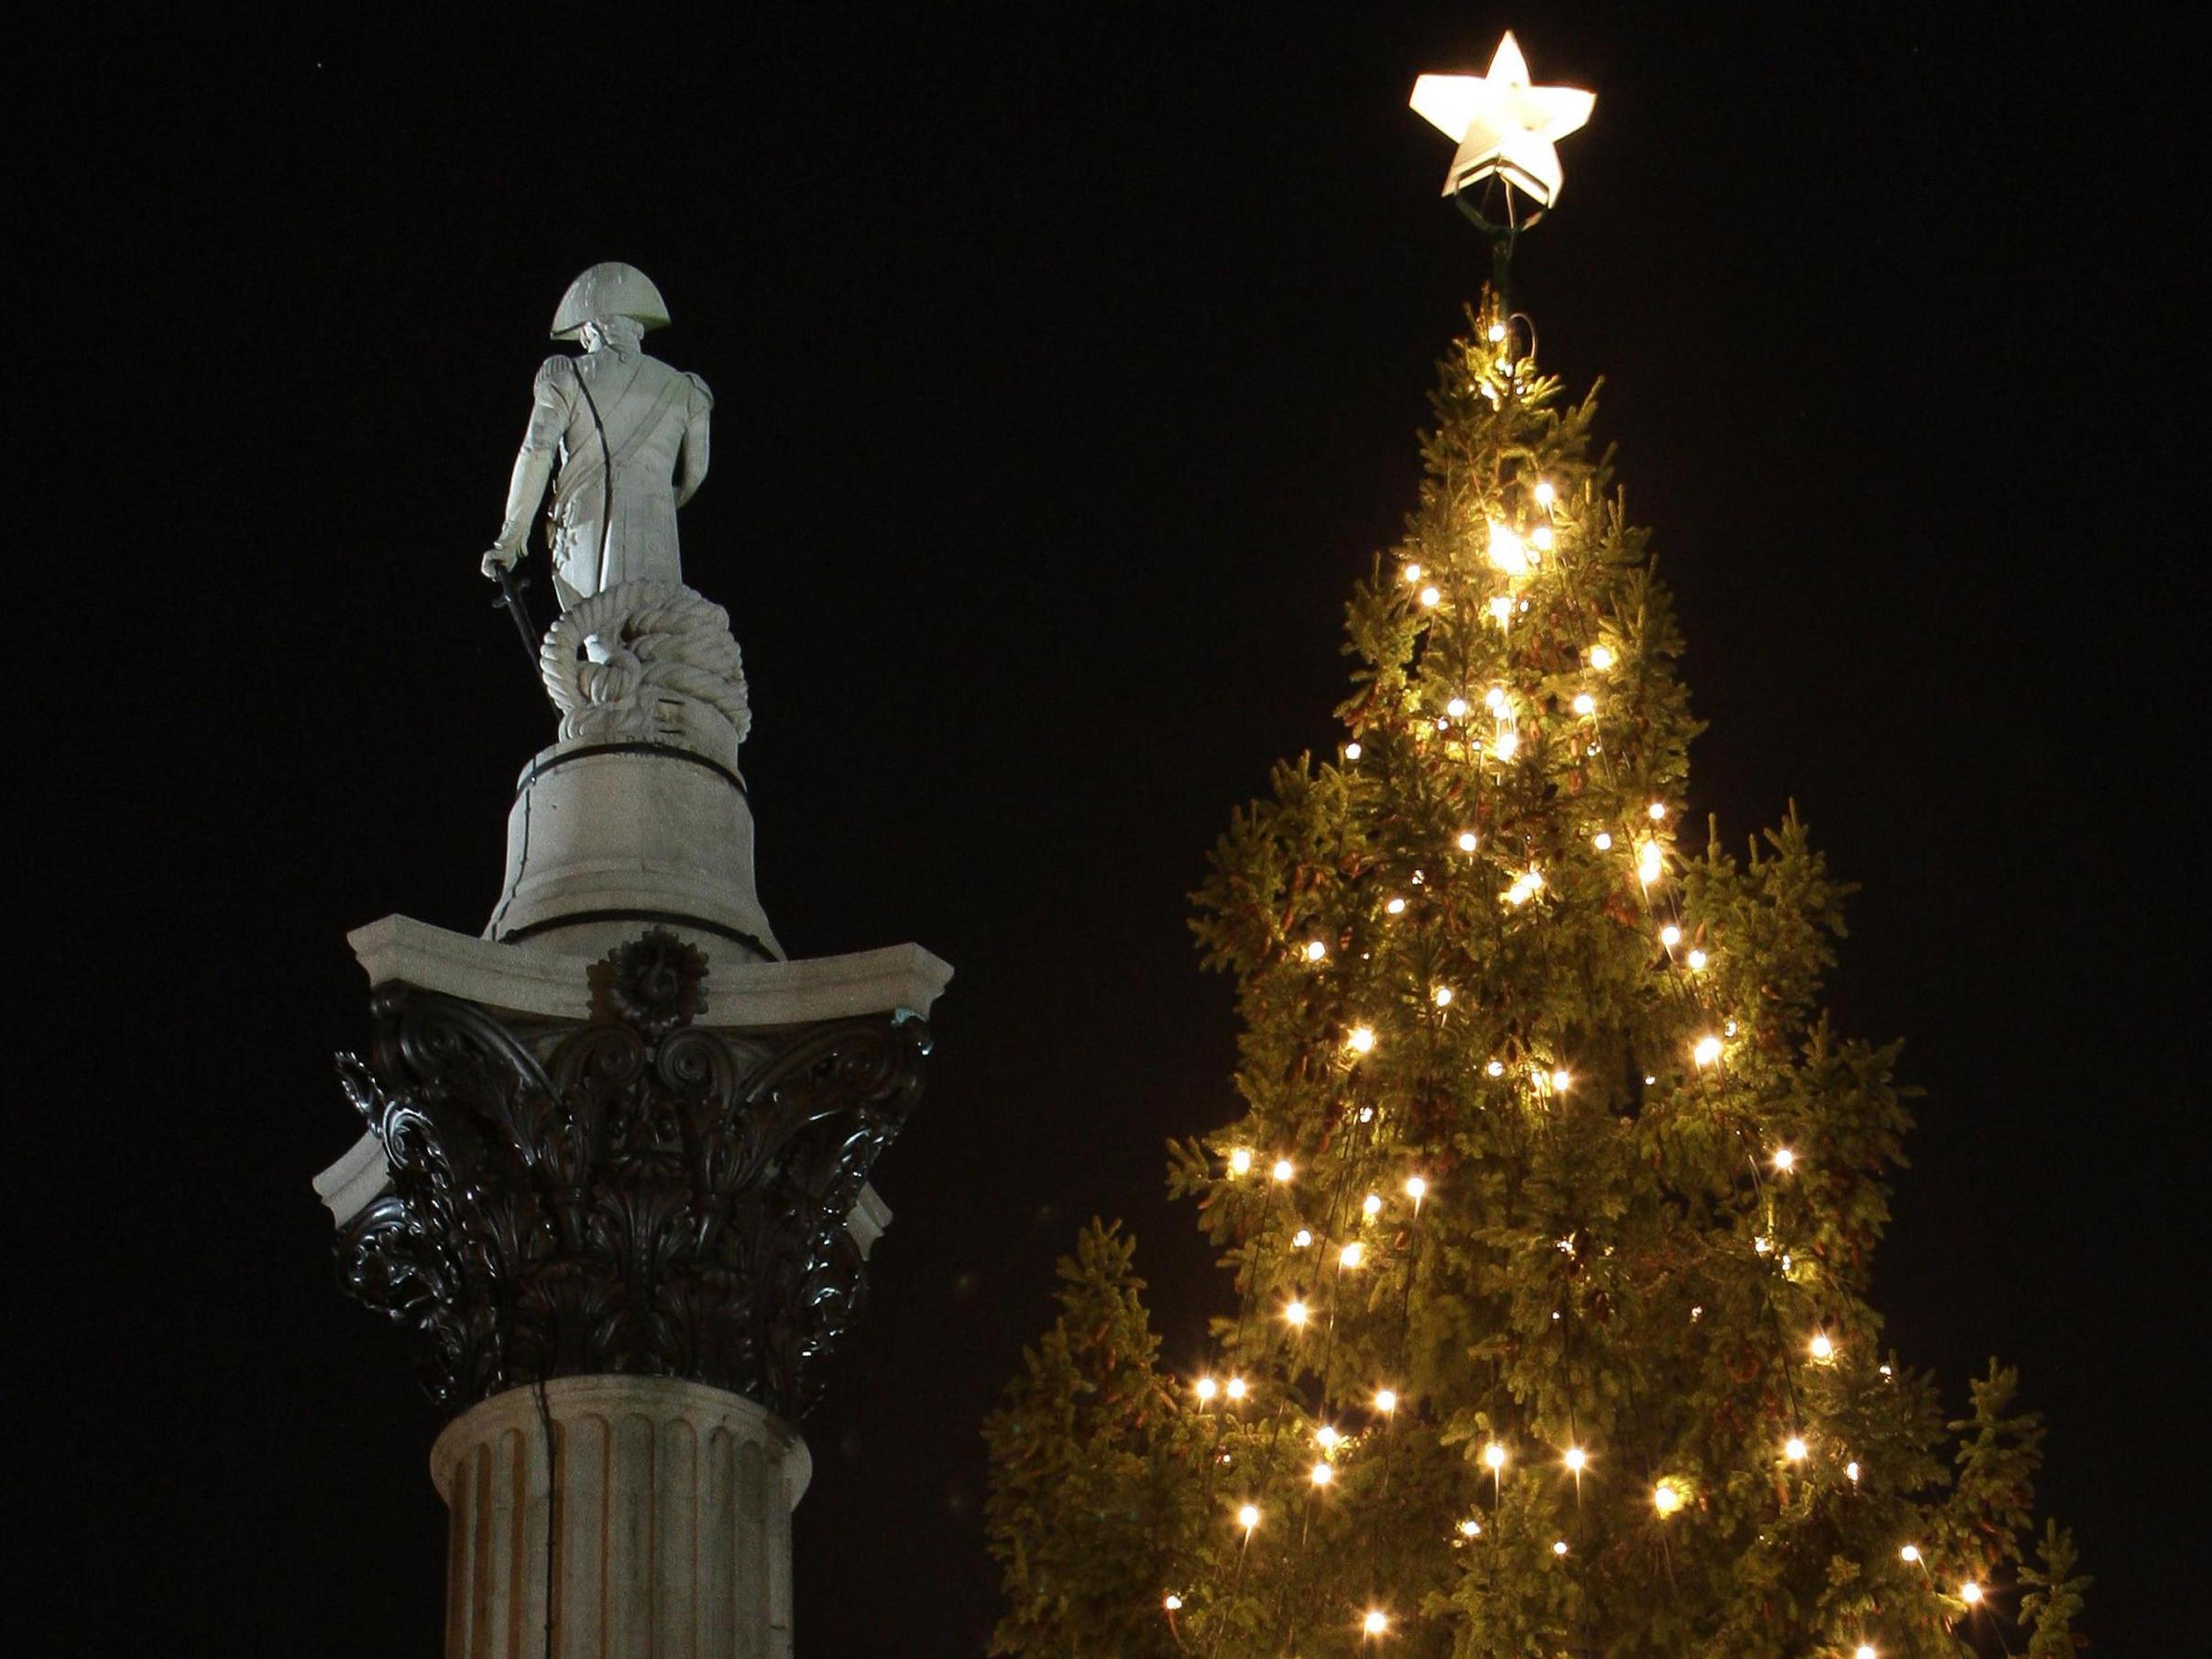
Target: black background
[1068, 362]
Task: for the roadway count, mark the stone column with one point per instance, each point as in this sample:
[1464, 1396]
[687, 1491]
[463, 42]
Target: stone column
[670, 1522]
[647, 1184]
[618, 1151]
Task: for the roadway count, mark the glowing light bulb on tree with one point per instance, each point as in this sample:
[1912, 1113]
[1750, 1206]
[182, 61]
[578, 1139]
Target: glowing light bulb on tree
[1386, 1401]
[1413, 573]
[1282, 1171]
[1650, 862]
[1671, 935]
[1235, 1390]
[1507, 552]
[1315, 950]
[1206, 1388]
[1707, 1051]
[1467, 841]
[1353, 751]
[1601, 841]
[1322, 1474]
[1416, 1188]
[1442, 996]
[1909, 1555]
[1240, 1161]
[1456, 708]
[1795, 1449]
[1173, 1603]
[1371, 1206]
[1784, 1159]
[1577, 1459]
[1584, 703]
[1352, 1254]
[1494, 1456]
[1545, 494]
[1248, 1517]
[1970, 1593]
[1665, 1499]
[1301, 1239]
[1361, 1040]
[1432, 597]
[1559, 1548]
[1295, 1314]
[1471, 1528]
[1821, 1348]
[1377, 1621]
[1601, 658]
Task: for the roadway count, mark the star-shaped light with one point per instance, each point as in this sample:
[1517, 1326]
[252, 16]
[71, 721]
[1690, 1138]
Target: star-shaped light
[1503, 127]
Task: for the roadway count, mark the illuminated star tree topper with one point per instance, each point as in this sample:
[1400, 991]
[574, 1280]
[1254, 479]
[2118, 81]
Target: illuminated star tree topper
[1506, 131]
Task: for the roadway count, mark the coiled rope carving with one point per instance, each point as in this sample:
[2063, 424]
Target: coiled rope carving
[670, 658]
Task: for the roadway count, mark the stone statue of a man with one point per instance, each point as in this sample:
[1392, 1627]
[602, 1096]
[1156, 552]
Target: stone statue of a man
[627, 434]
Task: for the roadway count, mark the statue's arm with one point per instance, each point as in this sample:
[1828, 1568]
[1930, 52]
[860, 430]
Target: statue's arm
[552, 395]
[692, 470]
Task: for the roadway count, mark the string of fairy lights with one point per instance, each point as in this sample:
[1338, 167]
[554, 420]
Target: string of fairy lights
[1523, 555]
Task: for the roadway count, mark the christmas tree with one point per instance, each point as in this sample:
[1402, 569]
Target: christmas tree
[1552, 1211]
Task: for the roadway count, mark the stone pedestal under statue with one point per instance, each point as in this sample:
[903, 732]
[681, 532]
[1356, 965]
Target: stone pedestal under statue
[605, 838]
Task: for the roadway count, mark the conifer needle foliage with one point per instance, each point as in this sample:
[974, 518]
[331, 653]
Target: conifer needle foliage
[1551, 1209]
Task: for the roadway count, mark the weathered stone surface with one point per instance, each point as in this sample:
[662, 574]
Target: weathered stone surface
[648, 662]
[635, 655]
[621, 437]
[742, 995]
[670, 1506]
[604, 839]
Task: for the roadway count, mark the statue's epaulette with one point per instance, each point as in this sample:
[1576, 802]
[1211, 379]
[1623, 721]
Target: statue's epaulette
[558, 374]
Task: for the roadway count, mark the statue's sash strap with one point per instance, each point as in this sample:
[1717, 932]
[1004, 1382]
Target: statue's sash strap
[606, 473]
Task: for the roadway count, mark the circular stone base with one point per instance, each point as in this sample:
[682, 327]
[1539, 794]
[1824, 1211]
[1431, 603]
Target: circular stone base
[605, 839]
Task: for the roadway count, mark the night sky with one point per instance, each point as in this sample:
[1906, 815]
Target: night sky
[1068, 362]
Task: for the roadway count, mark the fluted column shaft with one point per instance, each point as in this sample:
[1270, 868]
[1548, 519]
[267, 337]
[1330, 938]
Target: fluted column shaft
[670, 1504]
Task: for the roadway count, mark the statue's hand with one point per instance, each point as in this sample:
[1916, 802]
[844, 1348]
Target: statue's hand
[500, 558]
